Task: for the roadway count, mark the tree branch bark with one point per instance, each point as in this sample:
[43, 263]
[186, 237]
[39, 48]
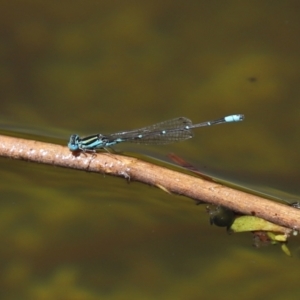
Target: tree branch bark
[133, 169]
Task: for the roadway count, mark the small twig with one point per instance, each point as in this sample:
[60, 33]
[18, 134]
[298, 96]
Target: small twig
[134, 169]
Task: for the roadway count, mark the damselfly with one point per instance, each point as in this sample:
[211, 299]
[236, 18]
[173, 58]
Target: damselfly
[166, 132]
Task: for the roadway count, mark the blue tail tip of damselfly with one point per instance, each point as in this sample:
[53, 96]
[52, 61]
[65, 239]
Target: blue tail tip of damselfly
[235, 118]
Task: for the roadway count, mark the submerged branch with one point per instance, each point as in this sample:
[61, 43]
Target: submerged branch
[133, 169]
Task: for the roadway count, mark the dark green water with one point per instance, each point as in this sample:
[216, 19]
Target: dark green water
[94, 66]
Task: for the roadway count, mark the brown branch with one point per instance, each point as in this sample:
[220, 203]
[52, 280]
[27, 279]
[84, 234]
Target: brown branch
[134, 169]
